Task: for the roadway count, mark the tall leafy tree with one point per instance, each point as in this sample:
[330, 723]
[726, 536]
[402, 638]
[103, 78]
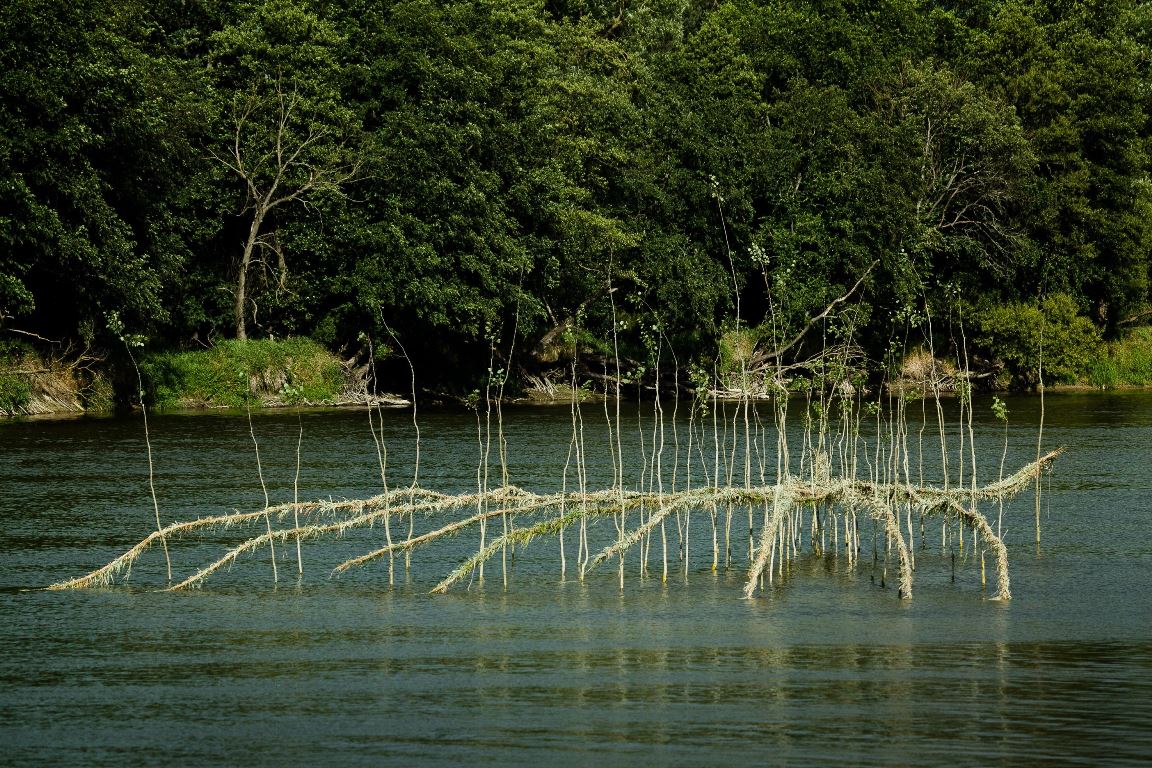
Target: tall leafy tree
[94, 146]
[1077, 75]
[965, 174]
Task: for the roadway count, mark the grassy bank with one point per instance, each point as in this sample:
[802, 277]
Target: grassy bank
[15, 384]
[257, 372]
[1123, 363]
[35, 383]
[266, 373]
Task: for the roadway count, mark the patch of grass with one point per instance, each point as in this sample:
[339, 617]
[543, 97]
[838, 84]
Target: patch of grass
[99, 395]
[15, 392]
[15, 388]
[292, 371]
[1123, 363]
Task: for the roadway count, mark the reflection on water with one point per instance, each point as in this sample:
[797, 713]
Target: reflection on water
[825, 667]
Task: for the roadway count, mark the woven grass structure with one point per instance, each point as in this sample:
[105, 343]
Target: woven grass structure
[638, 517]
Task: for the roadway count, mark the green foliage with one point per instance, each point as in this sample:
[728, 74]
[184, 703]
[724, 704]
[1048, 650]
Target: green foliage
[1026, 336]
[292, 371]
[737, 346]
[15, 388]
[963, 165]
[477, 174]
[1125, 362]
[15, 392]
[286, 137]
[95, 140]
[14, 351]
[1077, 76]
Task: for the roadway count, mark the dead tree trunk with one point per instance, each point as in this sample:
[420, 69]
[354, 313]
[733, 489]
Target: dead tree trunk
[281, 155]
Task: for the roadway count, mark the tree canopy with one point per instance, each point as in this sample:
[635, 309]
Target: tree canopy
[474, 175]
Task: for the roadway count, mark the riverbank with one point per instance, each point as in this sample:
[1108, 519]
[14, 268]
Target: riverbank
[257, 374]
[33, 383]
[299, 372]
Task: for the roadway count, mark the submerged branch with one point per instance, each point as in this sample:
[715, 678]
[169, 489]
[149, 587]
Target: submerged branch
[879, 500]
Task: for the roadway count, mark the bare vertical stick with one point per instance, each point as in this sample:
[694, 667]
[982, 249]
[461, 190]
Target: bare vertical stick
[263, 487]
[715, 481]
[743, 381]
[729, 464]
[619, 460]
[573, 447]
[936, 376]
[1040, 431]
[416, 427]
[148, 448]
[563, 507]
[685, 530]
[971, 406]
[681, 532]
[501, 442]
[1000, 411]
[480, 495]
[415, 420]
[487, 453]
[645, 477]
[748, 469]
[583, 554]
[658, 459]
[382, 461]
[296, 494]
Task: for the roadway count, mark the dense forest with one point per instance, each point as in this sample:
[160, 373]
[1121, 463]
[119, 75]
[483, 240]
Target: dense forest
[465, 179]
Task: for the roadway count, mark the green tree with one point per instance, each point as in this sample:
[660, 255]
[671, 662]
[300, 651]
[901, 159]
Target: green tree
[95, 143]
[965, 172]
[1077, 75]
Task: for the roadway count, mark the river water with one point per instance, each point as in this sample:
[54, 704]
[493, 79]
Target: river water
[825, 666]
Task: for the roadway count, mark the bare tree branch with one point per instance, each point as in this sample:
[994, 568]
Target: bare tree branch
[279, 164]
[760, 359]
